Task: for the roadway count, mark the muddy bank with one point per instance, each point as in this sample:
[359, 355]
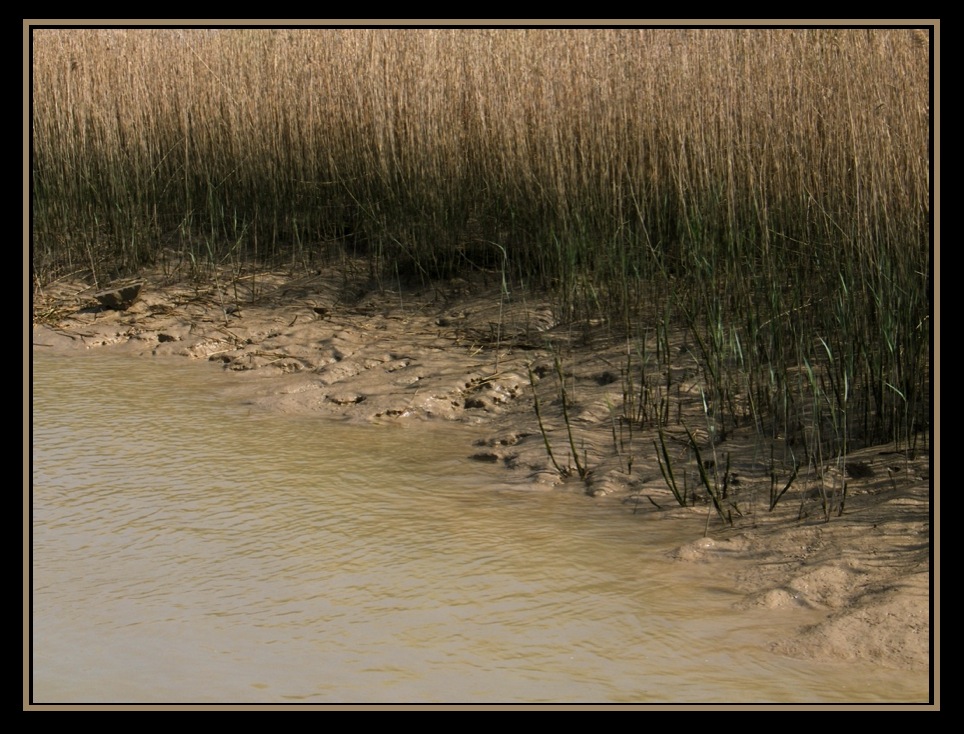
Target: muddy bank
[469, 350]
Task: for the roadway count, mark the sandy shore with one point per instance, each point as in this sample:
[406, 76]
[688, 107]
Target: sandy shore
[462, 350]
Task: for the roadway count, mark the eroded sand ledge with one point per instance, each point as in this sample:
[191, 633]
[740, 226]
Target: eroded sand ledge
[462, 350]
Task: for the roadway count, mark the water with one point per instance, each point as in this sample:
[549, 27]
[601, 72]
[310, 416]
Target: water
[189, 549]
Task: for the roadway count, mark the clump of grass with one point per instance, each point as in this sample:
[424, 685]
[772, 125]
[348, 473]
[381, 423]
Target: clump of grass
[777, 494]
[578, 466]
[542, 426]
[581, 468]
[716, 488]
[666, 469]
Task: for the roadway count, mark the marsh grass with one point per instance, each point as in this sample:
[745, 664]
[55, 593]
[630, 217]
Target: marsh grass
[764, 190]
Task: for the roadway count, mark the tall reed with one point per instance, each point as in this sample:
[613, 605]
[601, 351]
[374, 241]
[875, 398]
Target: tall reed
[766, 189]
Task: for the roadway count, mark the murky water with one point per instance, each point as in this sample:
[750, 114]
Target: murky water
[187, 548]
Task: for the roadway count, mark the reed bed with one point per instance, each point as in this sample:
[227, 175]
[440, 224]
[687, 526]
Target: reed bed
[767, 191]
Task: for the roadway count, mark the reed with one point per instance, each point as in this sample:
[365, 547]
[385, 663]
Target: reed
[766, 190]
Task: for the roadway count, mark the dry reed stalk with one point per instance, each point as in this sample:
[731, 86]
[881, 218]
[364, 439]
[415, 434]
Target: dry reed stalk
[767, 186]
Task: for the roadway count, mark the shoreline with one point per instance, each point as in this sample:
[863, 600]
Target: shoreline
[465, 350]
